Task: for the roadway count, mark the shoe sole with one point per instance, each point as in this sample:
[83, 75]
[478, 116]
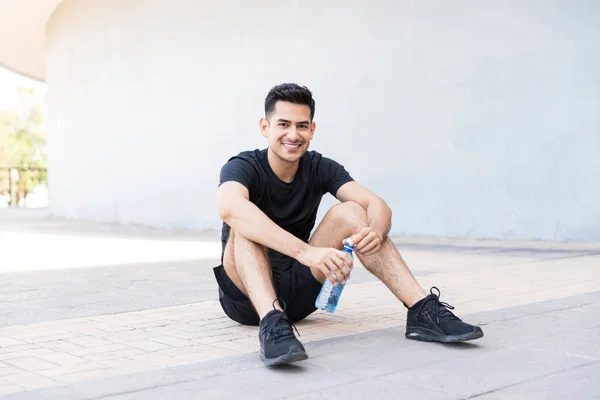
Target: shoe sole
[293, 355]
[428, 336]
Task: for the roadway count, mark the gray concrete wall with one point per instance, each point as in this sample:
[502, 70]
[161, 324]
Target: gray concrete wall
[472, 119]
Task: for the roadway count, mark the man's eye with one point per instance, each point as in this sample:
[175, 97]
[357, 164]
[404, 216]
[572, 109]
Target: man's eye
[303, 126]
[282, 124]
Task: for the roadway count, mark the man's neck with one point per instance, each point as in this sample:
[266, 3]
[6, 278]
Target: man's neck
[283, 170]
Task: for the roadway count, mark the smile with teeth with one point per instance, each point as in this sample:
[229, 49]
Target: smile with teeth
[292, 146]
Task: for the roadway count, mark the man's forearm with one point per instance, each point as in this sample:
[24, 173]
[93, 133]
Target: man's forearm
[249, 221]
[379, 216]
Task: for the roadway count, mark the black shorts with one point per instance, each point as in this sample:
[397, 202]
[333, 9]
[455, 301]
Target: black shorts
[294, 283]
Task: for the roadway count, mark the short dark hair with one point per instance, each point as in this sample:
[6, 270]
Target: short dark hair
[292, 93]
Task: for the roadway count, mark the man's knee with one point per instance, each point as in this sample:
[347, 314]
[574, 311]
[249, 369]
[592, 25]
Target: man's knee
[242, 243]
[349, 213]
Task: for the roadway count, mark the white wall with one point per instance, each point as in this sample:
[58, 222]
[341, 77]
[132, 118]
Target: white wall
[472, 119]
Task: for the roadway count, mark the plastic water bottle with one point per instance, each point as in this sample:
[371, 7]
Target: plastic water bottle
[329, 296]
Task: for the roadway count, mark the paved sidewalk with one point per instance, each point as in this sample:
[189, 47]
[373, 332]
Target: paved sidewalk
[539, 351]
[103, 306]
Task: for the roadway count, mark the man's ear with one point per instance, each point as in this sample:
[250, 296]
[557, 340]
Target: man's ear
[313, 127]
[264, 124]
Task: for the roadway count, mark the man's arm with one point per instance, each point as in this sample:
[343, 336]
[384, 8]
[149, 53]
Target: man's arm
[248, 220]
[379, 215]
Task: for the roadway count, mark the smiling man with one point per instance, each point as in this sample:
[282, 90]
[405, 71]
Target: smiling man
[271, 270]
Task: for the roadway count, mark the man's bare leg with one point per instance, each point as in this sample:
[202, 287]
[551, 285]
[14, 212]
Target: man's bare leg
[388, 265]
[427, 318]
[345, 219]
[247, 265]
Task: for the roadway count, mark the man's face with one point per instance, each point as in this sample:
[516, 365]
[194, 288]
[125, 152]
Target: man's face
[289, 130]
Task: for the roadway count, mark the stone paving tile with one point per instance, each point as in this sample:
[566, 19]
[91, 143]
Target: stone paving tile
[7, 370]
[147, 345]
[171, 341]
[497, 375]
[381, 363]
[25, 351]
[374, 388]
[30, 380]
[217, 338]
[8, 342]
[59, 346]
[7, 388]
[87, 375]
[248, 385]
[156, 360]
[130, 335]
[583, 343]
[73, 293]
[32, 364]
[62, 359]
[122, 384]
[126, 364]
[100, 350]
[129, 339]
[89, 341]
[114, 355]
[72, 369]
[83, 323]
[96, 291]
[572, 384]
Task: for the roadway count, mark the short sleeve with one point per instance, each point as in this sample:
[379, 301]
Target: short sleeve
[332, 175]
[239, 170]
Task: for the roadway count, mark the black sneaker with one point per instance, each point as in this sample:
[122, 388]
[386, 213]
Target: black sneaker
[431, 320]
[278, 344]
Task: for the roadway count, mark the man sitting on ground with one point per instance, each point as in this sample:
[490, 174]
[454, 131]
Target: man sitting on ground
[271, 270]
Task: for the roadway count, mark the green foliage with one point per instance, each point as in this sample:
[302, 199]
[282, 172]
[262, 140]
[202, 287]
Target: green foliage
[22, 143]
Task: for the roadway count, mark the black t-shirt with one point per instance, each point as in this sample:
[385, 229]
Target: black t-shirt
[292, 206]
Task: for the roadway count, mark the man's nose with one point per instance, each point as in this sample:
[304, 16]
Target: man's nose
[292, 133]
